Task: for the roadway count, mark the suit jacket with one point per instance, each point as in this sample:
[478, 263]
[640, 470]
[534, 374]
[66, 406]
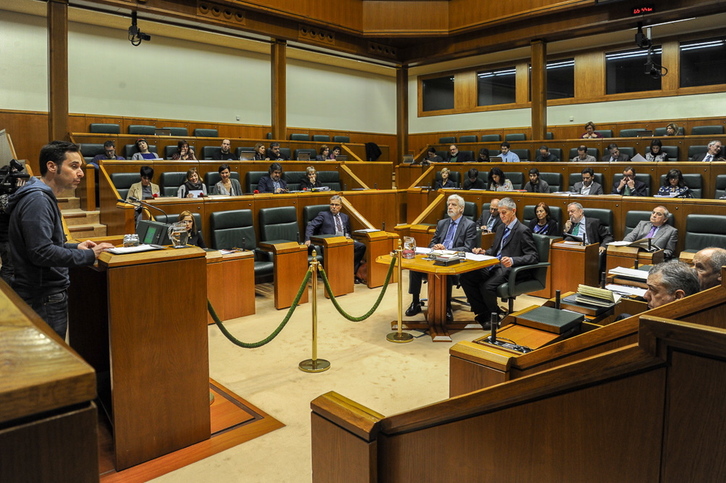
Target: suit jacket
[324, 224]
[702, 156]
[588, 159]
[449, 184]
[621, 157]
[595, 188]
[596, 232]
[541, 187]
[639, 190]
[464, 238]
[484, 218]
[136, 190]
[461, 157]
[666, 237]
[265, 185]
[519, 245]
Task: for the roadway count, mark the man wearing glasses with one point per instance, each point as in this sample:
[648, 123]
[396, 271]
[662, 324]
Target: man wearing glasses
[658, 230]
[588, 185]
[456, 156]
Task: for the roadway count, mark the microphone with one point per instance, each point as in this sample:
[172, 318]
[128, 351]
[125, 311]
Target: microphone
[144, 203]
[297, 237]
[557, 299]
[384, 226]
[494, 323]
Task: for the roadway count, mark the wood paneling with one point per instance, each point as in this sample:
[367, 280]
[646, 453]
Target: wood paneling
[411, 17]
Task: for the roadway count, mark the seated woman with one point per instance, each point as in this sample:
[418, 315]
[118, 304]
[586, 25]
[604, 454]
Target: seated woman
[310, 180]
[144, 189]
[656, 153]
[143, 152]
[444, 182]
[672, 129]
[543, 223]
[192, 186]
[431, 157]
[674, 186]
[227, 185]
[590, 131]
[183, 152]
[498, 181]
[260, 153]
[483, 156]
[195, 236]
[472, 180]
[324, 154]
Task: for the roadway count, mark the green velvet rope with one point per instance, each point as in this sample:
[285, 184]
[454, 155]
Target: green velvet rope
[254, 345]
[375, 305]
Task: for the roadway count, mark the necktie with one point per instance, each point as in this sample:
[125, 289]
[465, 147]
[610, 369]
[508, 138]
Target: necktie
[707, 158]
[507, 231]
[449, 240]
[338, 225]
[652, 232]
[576, 230]
[490, 223]
[626, 191]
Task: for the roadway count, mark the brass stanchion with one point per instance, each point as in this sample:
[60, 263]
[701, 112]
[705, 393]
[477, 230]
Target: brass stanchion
[399, 336]
[314, 364]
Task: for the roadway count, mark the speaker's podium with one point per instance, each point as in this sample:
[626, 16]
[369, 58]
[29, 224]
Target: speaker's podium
[626, 256]
[573, 264]
[140, 320]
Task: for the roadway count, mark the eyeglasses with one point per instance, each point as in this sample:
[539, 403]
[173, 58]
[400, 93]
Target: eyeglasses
[658, 213]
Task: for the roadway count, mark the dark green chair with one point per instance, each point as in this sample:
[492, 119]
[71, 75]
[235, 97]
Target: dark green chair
[89, 151]
[251, 180]
[123, 181]
[517, 136]
[704, 231]
[696, 149]
[244, 149]
[300, 137]
[693, 180]
[630, 133]
[527, 278]
[522, 153]
[488, 138]
[208, 152]
[311, 152]
[703, 130]
[672, 152]
[331, 179]
[142, 130]
[211, 178]
[661, 131]
[170, 181]
[321, 138]
[178, 131]
[556, 152]
[604, 215]
[206, 133]
[468, 139]
[341, 139]
[516, 177]
[235, 229]
[447, 140]
[720, 186]
[103, 128]
[606, 133]
[309, 213]
[554, 180]
[626, 150]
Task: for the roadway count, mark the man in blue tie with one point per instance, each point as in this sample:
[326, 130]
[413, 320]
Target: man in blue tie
[490, 221]
[514, 246]
[453, 233]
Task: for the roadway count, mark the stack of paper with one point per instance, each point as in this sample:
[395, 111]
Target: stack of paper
[629, 273]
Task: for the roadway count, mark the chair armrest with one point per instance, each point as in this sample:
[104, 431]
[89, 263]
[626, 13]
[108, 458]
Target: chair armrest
[525, 268]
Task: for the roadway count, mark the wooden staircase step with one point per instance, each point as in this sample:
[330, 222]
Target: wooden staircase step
[80, 217]
[79, 232]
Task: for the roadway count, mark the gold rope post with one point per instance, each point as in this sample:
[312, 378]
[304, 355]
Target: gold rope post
[314, 364]
[399, 336]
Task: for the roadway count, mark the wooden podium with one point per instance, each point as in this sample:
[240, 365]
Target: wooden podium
[230, 271]
[573, 264]
[377, 243]
[338, 262]
[140, 320]
[626, 257]
[291, 263]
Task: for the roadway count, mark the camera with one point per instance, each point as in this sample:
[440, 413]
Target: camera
[9, 176]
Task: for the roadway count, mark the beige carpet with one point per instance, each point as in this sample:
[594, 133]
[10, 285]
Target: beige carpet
[387, 377]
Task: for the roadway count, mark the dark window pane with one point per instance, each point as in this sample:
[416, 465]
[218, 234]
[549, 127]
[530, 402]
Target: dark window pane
[496, 87]
[561, 79]
[703, 63]
[438, 93]
[626, 71]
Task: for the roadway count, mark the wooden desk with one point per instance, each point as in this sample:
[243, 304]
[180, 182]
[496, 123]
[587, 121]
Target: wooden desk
[626, 257]
[573, 264]
[291, 263]
[228, 284]
[437, 291]
[338, 262]
[378, 243]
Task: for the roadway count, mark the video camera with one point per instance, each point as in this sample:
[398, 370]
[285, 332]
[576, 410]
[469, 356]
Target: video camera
[9, 176]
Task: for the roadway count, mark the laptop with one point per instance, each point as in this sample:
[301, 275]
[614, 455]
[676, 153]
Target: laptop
[303, 156]
[246, 156]
[341, 157]
[495, 159]
[407, 159]
[644, 134]
[162, 132]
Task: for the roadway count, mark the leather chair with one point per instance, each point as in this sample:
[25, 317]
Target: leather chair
[447, 140]
[516, 177]
[251, 180]
[720, 186]
[208, 152]
[469, 138]
[696, 149]
[693, 180]
[170, 181]
[300, 137]
[626, 150]
[704, 231]
[703, 130]
[522, 153]
[279, 224]
[644, 177]
[131, 149]
[341, 139]
[169, 219]
[554, 180]
[528, 214]
[606, 133]
[454, 176]
[244, 149]
[311, 152]
[211, 178]
[178, 131]
[487, 138]
[309, 213]
[98, 127]
[89, 151]
[577, 177]
[556, 152]
[517, 136]
[470, 211]
[630, 133]
[632, 218]
[331, 179]
[235, 229]
[123, 181]
[442, 154]
[142, 130]
[206, 133]
[672, 152]
[604, 215]
[285, 152]
[293, 179]
[170, 150]
[549, 135]
[536, 274]
[321, 138]
[594, 152]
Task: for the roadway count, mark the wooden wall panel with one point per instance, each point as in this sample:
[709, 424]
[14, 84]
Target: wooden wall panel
[466, 13]
[406, 17]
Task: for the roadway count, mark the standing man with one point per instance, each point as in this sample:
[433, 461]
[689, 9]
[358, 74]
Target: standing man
[708, 263]
[456, 156]
[456, 232]
[629, 186]
[589, 229]
[491, 221]
[662, 234]
[273, 182]
[514, 246]
[588, 185]
[38, 245]
[275, 153]
[668, 282]
[225, 153]
[334, 222]
[507, 155]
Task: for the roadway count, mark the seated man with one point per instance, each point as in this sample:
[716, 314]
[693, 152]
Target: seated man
[629, 186]
[109, 148]
[713, 153]
[490, 221]
[514, 246]
[535, 184]
[273, 182]
[473, 182]
[507, 155]
[662, 235]
[456, 156]
[588, 185]
[275, 153]
[582, 156]
[590, 230]
[224, 154]
[334, 222]
[545, 156]
[670, 281]
[453, 233]
[614, 154]
[708, 263]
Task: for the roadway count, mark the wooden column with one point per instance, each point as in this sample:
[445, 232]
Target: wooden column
[539, 89]
[401, 111]
[279, 89]
[57, 69]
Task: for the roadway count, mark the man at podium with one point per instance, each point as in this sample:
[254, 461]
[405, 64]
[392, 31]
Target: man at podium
[662, 235]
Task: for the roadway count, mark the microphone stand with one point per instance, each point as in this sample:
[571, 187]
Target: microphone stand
[147, 205]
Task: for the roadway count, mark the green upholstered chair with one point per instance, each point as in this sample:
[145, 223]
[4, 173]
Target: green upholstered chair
[170, 181]
[211, 178]
[527, 278]
[630, 133]
[522, 153]
[331, 179]
[626, 150]
[704, 231]
[208, 152]
[672, 152]
[105, 128]
[554, 180]
[341, 139]
[516, 177]
[693, 180]
[89, 151]
[311, 152]
[720, 186]
[279, 224]
[299, 137]
[703, 130]
[142, 130]
[556, 152]
[123, 181]
[696, 149]
[206, 133]
[661, 131]
[606, 133]
[321, 138]
[178, 131]
[487, 138]
[468, 138]
[515, 136]
[251, 180]
[447, 140]
[244, 149]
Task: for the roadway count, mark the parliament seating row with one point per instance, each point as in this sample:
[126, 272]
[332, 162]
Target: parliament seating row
[147, 130]
[324, 138]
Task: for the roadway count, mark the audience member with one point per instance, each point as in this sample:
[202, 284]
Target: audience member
[614, 154]
[456, 156]
[582, 156]
[193, 186]
[590, 131]
[668, 282]
[195, 236]
[275, 154]
[656, 153]
[498, 181]
[629, 186]
[674, 186]
[225, 153]
[514, 246]
[456, 232]
[144, 189]
[490, 221]
[336, 152]
[483, 156]
[535, 184]
[658, 230]
[432, 157]
[324, 154]
[334, 222]
[708, 263]
[273, 182]
[260, 153]
[227, 185]
[109, 152]
[473, 182]
[590, 230]
[143, 151]
[183, 152]
[672, 129]
[507, 155]
[713, 153]
[545, 156]
[588, 185]
[310, 180]
[444, 182]
[543, 223]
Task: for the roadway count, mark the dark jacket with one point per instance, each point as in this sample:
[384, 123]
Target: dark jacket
[478, 184]
[596, 232]
[540, 187]
[595, 188]
[324, 224]
[484, 219]
[266, 185]
[638, 190]
[305, 183]
[519, 246]
[550, 158]
[464, 238]
[551, 228]
[461, 157]
[439, 185]
[224, 157]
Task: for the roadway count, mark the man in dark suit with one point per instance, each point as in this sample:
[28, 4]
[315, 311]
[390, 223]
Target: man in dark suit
[629, 186]
[589, 229]
[334, 222]
[514, 246]
[588, 185]
[490, 221]
[662, 235]
[456, 156]
[615, 155]
[713, 153]
[273, 182]
[456, 232]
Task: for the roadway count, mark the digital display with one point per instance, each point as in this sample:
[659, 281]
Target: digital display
[150, 232]
[643, 10]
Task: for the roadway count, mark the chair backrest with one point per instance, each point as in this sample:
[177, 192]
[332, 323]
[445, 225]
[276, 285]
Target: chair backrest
[522, 153]
[98, 127]
[331, 179]
[696, 149]
[131, 149]
[516, 136]
[299, 137]
[549, 135]
[645, 178]
[468, 138]
[170, 150]
[251, 180]
[168, 219]
[244, 149]
[311, 152]
[178, 131]
[232, 229]
[447, 140]
[278, 224]
[321, 138]
[604, 215]
[554, 180]
[720, 185]
[713, 129]
[542, 242]
[556, 152]
[705, 231]
[671, 151]
[529, 215]
[123, 181]
[142, 129]
[516, 177]
[594, 152]
[285, 152]
[626, 150]
[206, 133]
[470, 211]
[606, 133]
[311, 211]
[661, 131]
[170, 181]
[293, 179]
[693, 180]
[577, 177]
[208, 152]
[491, 138]
[632, 218]
[630, 133]
[341, 139]
[211, 178]
[89, 151]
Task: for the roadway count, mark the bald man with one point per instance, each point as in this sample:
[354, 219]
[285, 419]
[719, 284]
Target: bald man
[708, 263]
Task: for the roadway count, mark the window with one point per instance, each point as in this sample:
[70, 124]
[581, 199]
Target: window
[561, 79]
[626, 71]
[496, 87]
[438, 93]
[703, 63]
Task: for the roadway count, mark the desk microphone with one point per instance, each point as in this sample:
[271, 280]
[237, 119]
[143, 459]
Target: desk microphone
[384, 226]
[144, 203]
[494, 321]
[557, 299]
